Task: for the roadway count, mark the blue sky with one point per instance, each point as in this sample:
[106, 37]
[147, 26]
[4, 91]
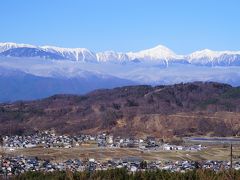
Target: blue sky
[123, 25]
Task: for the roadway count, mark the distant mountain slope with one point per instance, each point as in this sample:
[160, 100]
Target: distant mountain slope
[163, 111]
[17, 85]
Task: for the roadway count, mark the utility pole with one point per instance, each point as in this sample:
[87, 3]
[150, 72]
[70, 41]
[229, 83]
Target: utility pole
[231, 157]
[2, 155]
[1, 145]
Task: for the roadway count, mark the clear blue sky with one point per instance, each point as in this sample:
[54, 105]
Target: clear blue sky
[123, 25]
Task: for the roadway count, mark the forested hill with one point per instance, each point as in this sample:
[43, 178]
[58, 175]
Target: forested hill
[164, 111]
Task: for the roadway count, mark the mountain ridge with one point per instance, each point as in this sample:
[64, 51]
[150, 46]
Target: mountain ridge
[159, 54]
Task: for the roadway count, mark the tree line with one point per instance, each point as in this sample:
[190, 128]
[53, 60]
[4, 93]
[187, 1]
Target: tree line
[123, 174]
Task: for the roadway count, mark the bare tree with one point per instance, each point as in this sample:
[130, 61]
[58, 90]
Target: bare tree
[235, 126]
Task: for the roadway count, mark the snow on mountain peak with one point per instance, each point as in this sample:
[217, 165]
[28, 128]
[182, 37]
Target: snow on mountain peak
[62, 49]
[159, 52]
[111, 56]
[82, 54]
[209, 54]
[10, 45]
[78, 54]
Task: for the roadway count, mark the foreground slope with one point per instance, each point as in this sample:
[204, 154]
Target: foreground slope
[163, 111]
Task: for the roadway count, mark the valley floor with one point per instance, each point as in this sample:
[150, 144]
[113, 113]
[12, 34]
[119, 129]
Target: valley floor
[103, 154]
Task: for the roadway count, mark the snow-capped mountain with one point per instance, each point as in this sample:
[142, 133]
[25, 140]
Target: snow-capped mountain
[112, 56]
[214, 58]
[47, 52]
[159, 54]
[7, 46]
[23, 52]
[156, 53]
[206, 53]
[76, 54]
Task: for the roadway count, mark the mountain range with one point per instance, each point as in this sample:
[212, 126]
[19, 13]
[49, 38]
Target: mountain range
[159, 54]
[32, 72]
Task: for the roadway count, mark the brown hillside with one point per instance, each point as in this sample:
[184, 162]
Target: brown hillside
[163, 111]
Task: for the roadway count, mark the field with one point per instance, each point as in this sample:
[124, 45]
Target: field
[103, 154]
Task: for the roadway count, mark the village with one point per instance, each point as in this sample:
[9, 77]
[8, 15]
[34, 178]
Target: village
[12, 164]
[49, 139]
[16, 165]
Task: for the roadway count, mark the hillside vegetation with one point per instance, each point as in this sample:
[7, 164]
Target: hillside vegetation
[163, 111]
[122, 174]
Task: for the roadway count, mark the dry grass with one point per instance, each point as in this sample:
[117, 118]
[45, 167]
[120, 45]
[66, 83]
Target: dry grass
[102, 154]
